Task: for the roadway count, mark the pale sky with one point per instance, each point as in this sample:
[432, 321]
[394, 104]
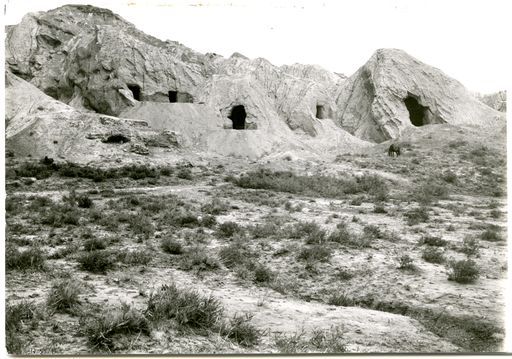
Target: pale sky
[467, 39]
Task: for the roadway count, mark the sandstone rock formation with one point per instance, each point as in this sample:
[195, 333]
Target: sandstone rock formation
[497, 100]
[38, 125]
[96, 62]
[394, 91]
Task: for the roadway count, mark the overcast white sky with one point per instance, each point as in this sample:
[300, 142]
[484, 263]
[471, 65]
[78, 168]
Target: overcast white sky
[467, 39]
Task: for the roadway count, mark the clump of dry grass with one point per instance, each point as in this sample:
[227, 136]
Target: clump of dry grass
[64, 296]
[103, 327]
[187, 308]
[464, 271]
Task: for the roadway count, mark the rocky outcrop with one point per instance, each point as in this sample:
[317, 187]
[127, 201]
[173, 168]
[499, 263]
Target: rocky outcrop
[497, 100]
[95, 61]
[38, 125]
[91, 58]
[394, 91]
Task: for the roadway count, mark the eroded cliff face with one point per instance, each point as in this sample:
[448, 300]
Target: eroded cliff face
[497, 100]
[92, 59]
[38, 125]
[394, 91]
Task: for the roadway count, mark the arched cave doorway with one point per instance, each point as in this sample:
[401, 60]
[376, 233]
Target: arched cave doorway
[417, 112]
[135, 89]
[238, 116]
[321, 112]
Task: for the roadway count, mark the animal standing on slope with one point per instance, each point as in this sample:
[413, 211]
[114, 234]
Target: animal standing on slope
[394, 149]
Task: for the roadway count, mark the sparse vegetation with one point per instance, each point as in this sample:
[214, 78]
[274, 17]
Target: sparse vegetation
[433, 255]
[470, 246]
[44, 170]
[31, 259]
[19, 316]
[63, 296]
[310, 231]
[433, 241]
[463, 271]
[328, 340]
[341, 299]
[141, 225]
[236, 254]
[59, 215]
[135, 257]
[320, 341]
[315, 253]
[262, 274]
[199, 259]
[266, 230]
[379, 209]
[229, 229]
[215, 207]
[171, 246]
[185, 173]
[405, 262]
[343, 236]
[188, 308]
[241, 331]
[296, 233]
[84, 201]
[323, 186]
[417, 215]
[96, 261]
[429, 192]
[102, 327]
[93, 244]
[491, 235]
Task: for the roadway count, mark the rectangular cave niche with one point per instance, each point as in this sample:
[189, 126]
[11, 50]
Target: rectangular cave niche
[173, 96]
[181, 97]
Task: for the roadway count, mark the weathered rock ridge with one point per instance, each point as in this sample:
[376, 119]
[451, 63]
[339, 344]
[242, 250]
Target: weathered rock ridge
[93, 60]
[497, 100]
[394, 91]
[38, 125]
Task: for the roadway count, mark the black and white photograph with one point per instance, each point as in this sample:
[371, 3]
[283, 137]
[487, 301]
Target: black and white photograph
[212, 177]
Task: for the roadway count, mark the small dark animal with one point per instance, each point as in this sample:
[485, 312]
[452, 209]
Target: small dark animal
[394, 149]
[47, 161]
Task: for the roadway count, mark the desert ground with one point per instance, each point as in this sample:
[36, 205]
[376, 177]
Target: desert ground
[356, 252]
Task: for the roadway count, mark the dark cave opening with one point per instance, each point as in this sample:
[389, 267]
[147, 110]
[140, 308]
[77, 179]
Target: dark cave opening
[238, 116]
[417, 112]
[321, 112]
[173, 96]
[182, 97]
[135, 89]
[118, 138]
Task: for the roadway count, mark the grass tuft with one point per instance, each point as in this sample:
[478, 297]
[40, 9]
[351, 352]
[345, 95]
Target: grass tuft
[63, 296]
[104, 328]
[464, 271]
[188, 308]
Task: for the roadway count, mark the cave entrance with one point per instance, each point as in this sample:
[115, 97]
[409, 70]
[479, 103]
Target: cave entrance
[183, 97]
[173, 96]
[417, 112]
[118, 138]
[135, 89]
[238, 115]
[321, 112]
